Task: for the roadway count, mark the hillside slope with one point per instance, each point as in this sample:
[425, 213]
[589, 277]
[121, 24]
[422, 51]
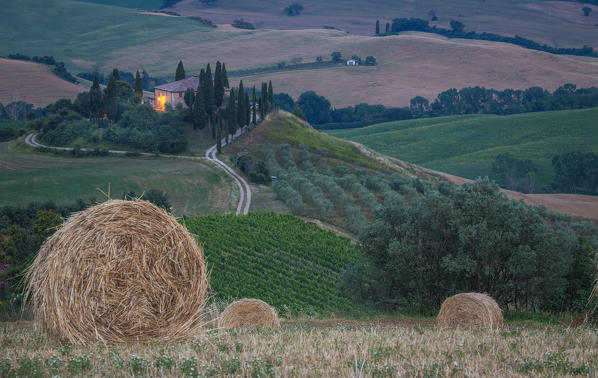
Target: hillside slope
[467, 145]
[33, 83]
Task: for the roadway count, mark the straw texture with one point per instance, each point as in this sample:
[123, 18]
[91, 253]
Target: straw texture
[247, 313]
[121, 271]
[470, 310]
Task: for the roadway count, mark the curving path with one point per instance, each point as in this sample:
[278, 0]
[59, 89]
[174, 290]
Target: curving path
[244, 188]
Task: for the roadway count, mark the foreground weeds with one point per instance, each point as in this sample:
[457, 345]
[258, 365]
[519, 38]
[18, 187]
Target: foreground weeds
[305, 349]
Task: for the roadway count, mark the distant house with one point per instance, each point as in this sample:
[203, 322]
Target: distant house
[352, 62]
[173, 93]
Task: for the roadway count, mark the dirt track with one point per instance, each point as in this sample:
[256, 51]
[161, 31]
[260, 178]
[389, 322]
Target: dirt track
[578, 205]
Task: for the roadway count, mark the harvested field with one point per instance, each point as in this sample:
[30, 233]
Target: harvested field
[33, 83]
[421, 64]
[558, 23]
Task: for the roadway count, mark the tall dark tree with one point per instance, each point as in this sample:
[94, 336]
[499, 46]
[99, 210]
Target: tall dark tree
[180, 72]
[219, 134]
[387, 28]
[209, 98]
[95, 99]
[224, 77]
[115, 74]
[138, 88]
[265, 106]
[247, 109]
[377, 26]
[270, 95]
[254, 101]
[189, 97]
[231, 115]
[218, 85]
[200, 118]
[241, 105]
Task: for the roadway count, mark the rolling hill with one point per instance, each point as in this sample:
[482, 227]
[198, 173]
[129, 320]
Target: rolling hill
[467, 145]
[408, 65]
[33, 83]
[557, 23]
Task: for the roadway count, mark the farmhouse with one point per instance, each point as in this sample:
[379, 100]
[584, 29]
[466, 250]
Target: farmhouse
[173, 93]
[352, 62]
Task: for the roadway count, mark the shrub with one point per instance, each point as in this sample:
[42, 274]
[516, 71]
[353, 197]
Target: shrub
[242, 24]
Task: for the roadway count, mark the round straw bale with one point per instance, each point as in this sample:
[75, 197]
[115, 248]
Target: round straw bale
[247, 313]
[470, 310]
[121, 271]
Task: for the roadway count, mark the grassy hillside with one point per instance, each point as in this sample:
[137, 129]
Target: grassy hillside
[33, 83]
[322, 177]
[292, 265]
[193, 187]
[467, 145]
[80, 32]
[558, 23]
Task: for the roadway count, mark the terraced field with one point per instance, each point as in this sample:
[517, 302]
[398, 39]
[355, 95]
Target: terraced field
[291, 264]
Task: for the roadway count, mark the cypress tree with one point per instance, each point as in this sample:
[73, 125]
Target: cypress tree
[224, 77]
[377, 27]
[209, 98]
[387, 28]
[199, 113]
[270, 95]
[218, 85]
[219, 134]
[231, 115]
[189, 98]
[247, 109]
[264, 108]
[95, 98]
[138, 88]
[180, 72]
[115, 74]
[241, 105]
[254, 101]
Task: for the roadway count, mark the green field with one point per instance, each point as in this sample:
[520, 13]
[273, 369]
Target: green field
[292, 265]
[193, 187]
[77, 31]
[467, 145]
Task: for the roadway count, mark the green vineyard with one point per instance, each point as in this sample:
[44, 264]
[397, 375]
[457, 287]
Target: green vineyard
[291, 264]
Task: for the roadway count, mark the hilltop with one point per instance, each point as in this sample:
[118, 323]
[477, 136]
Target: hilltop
[33, 83]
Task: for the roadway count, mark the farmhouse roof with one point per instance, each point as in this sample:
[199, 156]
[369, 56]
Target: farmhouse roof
[181, 85]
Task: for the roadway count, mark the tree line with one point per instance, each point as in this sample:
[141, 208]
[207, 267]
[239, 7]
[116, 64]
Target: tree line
[58, 70]
[417, 24]
[470, 100]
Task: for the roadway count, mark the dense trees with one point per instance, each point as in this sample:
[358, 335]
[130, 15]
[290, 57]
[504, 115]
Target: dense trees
[576, 172]
[294, 9]
[472, 238]
[456, 31]
[336, 57]
[370, 60]
[316, 108]
[515, 174]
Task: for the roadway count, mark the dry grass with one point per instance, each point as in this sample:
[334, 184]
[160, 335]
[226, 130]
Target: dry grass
[248, 313]
[33, 83]
[470, 310]
[121, 271]
[420, 64]
[339, 349]
[559, 23]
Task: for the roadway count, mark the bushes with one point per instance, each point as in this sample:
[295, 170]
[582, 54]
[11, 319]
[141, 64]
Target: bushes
[473, 239]
[242, 24]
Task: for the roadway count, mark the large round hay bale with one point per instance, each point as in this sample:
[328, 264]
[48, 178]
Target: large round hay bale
[470, 310]
[121, 271]
[247, 313]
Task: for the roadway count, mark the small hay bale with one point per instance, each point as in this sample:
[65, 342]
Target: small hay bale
[247, 313]
[470, 310]
[121, 271]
